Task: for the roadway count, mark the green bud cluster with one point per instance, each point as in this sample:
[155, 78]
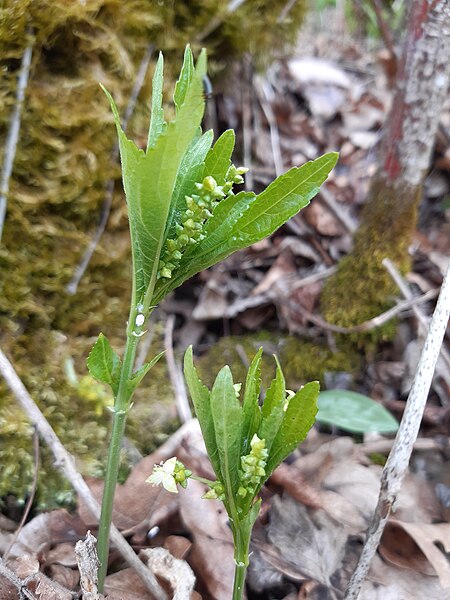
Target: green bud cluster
[253, 467]
[217, 492]
[199, 208]
[181, 474]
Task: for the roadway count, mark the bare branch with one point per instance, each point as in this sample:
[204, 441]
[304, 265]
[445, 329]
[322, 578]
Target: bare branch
[398, 460]
[183, 408]
[423, 319]
[13, 133]
[66, 464]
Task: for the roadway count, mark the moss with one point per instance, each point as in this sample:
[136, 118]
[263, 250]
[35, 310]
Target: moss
[62, 165]
[362, 288]
[300, 359]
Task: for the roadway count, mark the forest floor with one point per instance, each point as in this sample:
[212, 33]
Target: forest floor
[333, 95]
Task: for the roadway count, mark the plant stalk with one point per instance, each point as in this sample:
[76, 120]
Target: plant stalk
[241, 545]
[121, 406]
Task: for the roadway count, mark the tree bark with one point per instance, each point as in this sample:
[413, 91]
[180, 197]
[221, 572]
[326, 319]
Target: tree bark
[361, 288]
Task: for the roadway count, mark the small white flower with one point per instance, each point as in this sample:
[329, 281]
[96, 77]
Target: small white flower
[163, 474]
[139, 320]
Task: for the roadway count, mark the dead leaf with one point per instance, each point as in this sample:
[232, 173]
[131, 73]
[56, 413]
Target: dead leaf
[308, 539]
[211, 555]
[177, 545]
[322, 220]
[417, 546]
[126, 584]
[46, 529]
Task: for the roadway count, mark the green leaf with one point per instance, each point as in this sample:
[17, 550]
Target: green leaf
[186, 74]
[250, 405]
[149, 180]
[157, 123]
[298, 420]
[139, 375]
[104, 363]
[218, 159]
[242, 220]
[227, 416]
[273, 408]
[354, 412]
[201, 399]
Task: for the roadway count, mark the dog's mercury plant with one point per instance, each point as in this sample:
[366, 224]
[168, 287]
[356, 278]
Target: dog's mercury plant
[245, 443]
[184, 217]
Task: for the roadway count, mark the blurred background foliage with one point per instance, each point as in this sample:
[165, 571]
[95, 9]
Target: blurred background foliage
[61, 171]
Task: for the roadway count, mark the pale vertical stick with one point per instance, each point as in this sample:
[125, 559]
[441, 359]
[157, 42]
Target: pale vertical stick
[398, 460]
[13, 133]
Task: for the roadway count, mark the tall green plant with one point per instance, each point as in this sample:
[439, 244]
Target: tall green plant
[184, 217]
[245, 443]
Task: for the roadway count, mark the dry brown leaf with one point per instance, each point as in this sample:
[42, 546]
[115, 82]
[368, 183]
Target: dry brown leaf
[386, 582]
[177, 545]
[313, 543]
[291, 480]
[47, 529]
[416, 546]
[322, 220]
[68, 578]
[126, 584]
[211, 555]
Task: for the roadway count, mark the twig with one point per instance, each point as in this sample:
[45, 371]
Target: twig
[286, 10]
[265, 92]
[13, 133]
[183, 408]
[30, 499]
[219, 19]
[65, 463]
[80, 269]
[423, 319]
[371, 323]
[398, 460]
[385, 30]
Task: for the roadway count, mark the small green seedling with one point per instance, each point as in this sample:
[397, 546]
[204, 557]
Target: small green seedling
[245, 443]
[184, 217]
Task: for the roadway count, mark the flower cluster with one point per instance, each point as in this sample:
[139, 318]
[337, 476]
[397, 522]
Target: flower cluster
[199, 208]
[216, 492]
[169, 474]
[253, 467]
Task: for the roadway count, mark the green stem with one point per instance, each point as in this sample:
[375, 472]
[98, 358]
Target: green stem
[241, 546]
[121, 406]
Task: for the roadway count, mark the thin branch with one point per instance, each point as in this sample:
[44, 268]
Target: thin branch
[423, 319]
[371, 323]
[397, 463]
[13, 133]
[219, 19]
[30, 499]
[80, 269]
[265, 95]
[384, 28]
[183, 408]
[65, 463]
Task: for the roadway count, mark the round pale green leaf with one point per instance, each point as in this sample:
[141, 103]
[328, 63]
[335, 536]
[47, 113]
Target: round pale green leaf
[354, 412]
